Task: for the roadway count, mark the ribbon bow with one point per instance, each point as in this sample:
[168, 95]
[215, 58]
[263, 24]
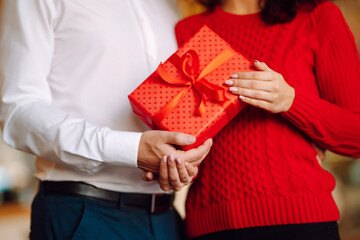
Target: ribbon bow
[188, 65]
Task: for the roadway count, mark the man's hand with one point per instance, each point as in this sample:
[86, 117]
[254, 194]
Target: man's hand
[156, 144]
[320, 156]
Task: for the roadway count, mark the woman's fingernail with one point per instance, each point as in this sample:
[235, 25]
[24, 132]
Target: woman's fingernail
[229, 82]
[164, 159]
[186, 164]
[242, 97]
[172, 158]
[178, 160]
[257, 61]
[233, 89]
[234, 76]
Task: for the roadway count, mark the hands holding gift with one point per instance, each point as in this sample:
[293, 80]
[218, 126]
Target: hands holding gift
[156, 155]
[265, 88]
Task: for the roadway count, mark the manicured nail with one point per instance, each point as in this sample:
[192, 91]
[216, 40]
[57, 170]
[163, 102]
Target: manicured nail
[234, 76]
[257, 61]
[178, 160]
[186, 164]
[233, 89]
[190, 139]
[242, 97]
[164, 159]
[172, 158]
[229, 82]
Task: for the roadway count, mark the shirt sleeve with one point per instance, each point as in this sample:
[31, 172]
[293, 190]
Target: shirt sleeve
[29, 121]
[333, 119]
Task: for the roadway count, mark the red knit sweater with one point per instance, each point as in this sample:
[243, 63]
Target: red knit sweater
[262, 169]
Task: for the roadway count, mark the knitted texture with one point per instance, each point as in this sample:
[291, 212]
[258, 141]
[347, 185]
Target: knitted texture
[262, 169]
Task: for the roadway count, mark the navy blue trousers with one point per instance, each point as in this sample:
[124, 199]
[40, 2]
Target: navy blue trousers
[67, 217]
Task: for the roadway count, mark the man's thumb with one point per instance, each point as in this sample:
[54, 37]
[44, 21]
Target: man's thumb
[147, 176]
[180, 139]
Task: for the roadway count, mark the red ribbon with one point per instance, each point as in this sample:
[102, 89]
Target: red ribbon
[188, 65]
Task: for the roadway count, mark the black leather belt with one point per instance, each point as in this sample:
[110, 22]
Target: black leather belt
[154, 203]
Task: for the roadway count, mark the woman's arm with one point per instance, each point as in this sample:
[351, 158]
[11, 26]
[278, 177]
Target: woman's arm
[331, 120]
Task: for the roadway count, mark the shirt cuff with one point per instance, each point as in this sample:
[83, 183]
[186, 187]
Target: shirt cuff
[121, 148]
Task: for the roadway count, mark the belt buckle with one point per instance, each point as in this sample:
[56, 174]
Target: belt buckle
[153, 204]
[159, 209]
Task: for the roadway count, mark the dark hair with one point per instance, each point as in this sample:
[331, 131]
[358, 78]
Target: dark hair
[273, 11]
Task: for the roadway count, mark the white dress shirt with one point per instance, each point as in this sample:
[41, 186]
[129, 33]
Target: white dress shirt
[66, 69]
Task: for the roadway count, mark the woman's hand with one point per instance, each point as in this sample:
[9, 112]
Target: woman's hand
[265, 88]
[174, 174]
[320, 153]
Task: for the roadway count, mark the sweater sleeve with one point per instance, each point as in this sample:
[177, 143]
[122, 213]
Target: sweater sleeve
[333, 119]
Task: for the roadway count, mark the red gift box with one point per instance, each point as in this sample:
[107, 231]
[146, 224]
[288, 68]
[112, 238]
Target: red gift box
[187, 93]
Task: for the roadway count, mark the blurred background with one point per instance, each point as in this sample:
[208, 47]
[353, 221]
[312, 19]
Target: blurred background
[18, 187]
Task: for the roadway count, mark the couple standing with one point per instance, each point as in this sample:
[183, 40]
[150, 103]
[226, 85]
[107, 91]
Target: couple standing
[67, 68]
